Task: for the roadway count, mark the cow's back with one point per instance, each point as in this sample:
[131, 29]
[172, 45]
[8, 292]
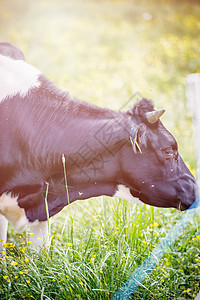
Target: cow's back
[8, 49]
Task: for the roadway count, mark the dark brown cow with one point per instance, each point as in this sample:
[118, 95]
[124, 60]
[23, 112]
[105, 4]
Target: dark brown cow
[44, 131]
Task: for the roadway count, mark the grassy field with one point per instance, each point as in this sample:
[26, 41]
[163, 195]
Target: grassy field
[104, 52]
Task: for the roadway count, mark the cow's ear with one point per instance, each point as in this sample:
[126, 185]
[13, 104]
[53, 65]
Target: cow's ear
[138, 137]
[142, 135]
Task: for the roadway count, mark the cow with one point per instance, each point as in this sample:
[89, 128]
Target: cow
[9, 49]
[59, 149]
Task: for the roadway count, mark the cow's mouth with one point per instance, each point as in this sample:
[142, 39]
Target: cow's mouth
[182, 206]
[178, 204]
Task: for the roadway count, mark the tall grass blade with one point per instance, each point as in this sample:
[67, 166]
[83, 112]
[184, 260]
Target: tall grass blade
[46, 206]
[65, 176]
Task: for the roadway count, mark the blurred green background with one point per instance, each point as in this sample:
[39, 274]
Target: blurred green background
[105, 51]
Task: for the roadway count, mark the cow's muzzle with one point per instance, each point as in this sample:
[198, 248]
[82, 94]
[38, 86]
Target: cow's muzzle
[187, 194]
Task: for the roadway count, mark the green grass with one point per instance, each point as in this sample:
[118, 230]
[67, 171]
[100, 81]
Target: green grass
[95, 249]
[103, 52]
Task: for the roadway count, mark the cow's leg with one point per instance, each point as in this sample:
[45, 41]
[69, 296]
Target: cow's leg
[39, 235]
[14, 214]
[3, 229]
[3, 236]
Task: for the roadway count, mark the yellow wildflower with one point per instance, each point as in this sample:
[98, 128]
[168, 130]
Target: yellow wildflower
[154, 225]
[92, 258]
[23, 250]
[69, 244]
[14, 263]
[81, 283]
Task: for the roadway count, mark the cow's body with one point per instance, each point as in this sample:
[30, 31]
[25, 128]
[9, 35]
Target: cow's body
[43, 131]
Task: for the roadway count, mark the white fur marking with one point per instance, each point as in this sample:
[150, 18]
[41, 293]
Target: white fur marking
[3, 235]
[39, 234]
[16, 76]
[3, 239]
[10, 209]
[3, 229]
[124, 193]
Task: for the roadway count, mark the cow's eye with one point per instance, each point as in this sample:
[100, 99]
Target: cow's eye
[168, 152]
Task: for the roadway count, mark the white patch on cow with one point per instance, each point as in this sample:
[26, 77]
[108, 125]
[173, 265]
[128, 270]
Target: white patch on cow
[16, 76]
[123, 192]
[10, 209]
[3, 228]
[3, 237]
[39, 234]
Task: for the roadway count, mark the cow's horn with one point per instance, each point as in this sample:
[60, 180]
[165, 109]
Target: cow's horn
[153, 116]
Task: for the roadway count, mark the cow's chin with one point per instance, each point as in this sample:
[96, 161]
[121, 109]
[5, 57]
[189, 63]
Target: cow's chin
[174, 203]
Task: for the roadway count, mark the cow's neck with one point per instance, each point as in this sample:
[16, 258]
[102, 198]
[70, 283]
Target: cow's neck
[87, 136]
[91, 143]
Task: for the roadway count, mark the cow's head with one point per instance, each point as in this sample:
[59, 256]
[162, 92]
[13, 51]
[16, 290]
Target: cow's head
[153, 168]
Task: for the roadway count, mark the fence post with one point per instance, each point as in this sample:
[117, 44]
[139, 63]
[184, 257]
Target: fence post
[193, 102]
